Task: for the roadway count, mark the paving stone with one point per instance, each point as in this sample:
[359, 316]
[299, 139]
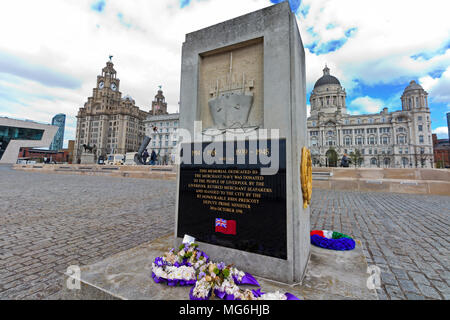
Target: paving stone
[395, 292]
[413, 296]
[419, 278]
[67, 225]
[400, 273]
[388, 278]
[408, 286]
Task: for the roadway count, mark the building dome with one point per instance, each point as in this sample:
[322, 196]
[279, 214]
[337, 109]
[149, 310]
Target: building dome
[326, 79]
[128, 98]
[413, 85]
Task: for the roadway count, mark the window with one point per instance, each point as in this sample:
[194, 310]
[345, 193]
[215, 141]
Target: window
[347, 141]
[370, 120]
[385, 140]
[420, 139]
[359, 140]
[420, 127]
[419, 118]
[405, 162]
[371, 140]
[400, 150]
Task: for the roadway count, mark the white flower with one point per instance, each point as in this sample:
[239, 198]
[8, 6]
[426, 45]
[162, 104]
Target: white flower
[159, 272]
[273, 296]
[201, 289]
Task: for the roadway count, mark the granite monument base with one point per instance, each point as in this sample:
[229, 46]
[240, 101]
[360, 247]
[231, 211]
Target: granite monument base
[87, 158]
[330, 275]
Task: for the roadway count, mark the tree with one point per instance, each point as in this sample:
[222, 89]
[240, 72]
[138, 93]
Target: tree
[356, 157]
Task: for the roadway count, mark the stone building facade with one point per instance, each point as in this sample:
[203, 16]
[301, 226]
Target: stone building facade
[162, 127]
[108, 121]
[398, 139]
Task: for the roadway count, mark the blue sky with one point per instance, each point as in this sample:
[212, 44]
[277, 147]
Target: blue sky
[51, 56]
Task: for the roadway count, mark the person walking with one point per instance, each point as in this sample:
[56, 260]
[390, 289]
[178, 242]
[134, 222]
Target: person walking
[345, 161]
[153, 158]
[145, 155]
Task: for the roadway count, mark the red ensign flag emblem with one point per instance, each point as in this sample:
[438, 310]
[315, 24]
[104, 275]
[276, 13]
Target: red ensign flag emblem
[226, 226]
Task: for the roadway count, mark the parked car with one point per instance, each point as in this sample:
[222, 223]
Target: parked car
[115, 159]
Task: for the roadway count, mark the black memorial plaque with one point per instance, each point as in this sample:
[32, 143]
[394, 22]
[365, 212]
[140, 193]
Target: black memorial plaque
[251, 207]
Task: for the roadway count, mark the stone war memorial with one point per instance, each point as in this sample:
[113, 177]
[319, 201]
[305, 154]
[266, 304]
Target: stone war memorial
[244, 182]
[243, 120]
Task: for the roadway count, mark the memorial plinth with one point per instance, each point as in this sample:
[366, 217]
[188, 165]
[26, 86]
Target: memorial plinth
[87, 158]
[330, 275]
[243, 108]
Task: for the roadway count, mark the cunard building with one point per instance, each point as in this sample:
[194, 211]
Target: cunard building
[108, 121]
[397, 139]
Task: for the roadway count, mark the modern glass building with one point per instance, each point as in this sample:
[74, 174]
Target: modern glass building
[60, 121]
[15, 134]
[448, 125]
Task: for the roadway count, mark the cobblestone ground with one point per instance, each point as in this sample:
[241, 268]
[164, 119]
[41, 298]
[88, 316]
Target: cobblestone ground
[406, 236]
[51, 221]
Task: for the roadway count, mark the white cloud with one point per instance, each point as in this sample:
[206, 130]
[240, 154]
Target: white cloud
[365, 104]
[441, 132]
[387, 34]
[438, 88]
[70, 38]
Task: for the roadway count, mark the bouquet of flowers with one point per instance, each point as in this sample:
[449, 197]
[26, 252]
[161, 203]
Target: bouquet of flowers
[219, 279]
[187, 265]
[178, 267]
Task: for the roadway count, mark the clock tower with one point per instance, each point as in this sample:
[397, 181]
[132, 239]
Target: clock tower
[108, 121]
[159, 104]
[108, 78]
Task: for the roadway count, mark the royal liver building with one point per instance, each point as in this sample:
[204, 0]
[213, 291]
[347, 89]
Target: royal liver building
[399, 139]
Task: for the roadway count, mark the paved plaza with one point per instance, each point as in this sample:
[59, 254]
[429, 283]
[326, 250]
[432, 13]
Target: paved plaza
[51, 221]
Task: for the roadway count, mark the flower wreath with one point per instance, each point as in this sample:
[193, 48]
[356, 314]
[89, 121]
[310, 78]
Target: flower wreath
[190, 266]
[332, 240]
[223, 282]
[178, 267]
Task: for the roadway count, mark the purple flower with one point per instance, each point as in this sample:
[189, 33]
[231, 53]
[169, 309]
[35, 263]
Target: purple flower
[159, 261]
[203, 254]
[221, 265]
[201, 275]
